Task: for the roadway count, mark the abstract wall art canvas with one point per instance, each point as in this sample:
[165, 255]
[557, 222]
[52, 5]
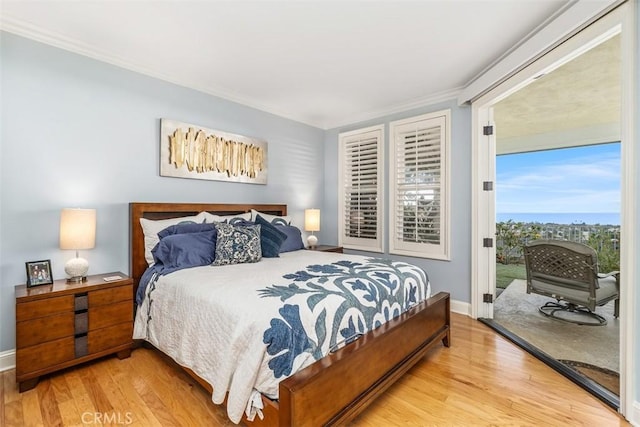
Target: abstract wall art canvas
[192, 151]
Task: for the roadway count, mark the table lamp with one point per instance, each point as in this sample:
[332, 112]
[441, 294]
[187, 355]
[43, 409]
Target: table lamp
[77, 231]
[312, 223]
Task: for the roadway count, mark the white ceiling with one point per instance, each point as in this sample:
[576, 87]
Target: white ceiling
[324, 63]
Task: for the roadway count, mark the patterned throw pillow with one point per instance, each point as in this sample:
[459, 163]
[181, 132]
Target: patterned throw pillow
[237, 245]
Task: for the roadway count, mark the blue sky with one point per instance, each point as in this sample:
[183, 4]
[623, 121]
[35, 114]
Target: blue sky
[579, 179]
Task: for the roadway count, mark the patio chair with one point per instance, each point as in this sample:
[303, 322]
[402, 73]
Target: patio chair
[568, 272]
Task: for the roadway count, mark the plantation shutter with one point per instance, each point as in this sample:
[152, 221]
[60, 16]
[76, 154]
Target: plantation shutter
[360, 212]
[419, 195]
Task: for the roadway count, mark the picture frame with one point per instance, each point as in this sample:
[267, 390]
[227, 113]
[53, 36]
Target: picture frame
[39, 273]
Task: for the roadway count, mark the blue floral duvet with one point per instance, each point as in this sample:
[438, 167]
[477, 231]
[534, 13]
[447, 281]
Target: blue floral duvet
[245, 327]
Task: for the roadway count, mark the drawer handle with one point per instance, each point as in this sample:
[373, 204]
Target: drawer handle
[81, 322]
[81, 302]
[81, 347]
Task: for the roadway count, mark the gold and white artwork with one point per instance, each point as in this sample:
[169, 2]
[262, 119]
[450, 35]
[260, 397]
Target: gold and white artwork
[192, 151]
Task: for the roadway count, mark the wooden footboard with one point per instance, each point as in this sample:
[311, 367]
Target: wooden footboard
[337, 388]
[341, 385]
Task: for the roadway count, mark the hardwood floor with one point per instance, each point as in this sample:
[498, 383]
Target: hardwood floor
[481, 380]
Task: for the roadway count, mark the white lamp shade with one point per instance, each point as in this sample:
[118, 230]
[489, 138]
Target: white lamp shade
[312, 219]
[78, 229]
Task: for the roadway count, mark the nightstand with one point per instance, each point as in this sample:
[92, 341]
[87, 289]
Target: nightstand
[326, 248]
[63, 324]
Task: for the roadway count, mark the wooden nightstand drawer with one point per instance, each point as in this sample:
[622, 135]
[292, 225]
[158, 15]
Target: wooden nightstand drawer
[107, 315]
[42, 308]
[109, 296]
[44, 329]
[110, 337]
[42, 356]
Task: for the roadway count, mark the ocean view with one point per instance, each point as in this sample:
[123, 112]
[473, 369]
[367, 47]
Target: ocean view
[590, 218]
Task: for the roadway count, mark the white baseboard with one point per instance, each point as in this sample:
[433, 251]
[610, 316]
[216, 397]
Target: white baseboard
[7, 360]
[460, 307]
[633, 416]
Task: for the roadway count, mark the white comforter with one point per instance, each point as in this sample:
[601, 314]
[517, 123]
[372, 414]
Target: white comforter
[217, 320]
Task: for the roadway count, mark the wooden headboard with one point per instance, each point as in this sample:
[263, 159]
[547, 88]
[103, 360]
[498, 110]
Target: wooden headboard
[155, 211]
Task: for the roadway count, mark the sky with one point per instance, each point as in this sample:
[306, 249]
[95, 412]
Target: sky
[579, 179]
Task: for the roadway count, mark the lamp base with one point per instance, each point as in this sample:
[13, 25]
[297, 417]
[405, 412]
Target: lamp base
[76, 269]
[312, 241]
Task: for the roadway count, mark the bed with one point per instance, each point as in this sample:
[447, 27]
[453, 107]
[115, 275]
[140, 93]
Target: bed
[353, 374]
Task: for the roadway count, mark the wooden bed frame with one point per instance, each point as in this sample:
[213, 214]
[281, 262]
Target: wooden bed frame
[340, 386]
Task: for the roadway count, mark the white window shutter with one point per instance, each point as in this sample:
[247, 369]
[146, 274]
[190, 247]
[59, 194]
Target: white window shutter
[360, 199]
[419, 191]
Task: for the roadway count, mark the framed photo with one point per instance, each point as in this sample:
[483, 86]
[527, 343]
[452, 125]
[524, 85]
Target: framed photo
[39, 273]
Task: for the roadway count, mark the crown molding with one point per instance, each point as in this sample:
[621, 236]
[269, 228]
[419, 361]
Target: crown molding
[415, 103]
[33, 32]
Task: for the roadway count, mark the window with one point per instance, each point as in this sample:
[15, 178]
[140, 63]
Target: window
[360, 178]
[419, 186]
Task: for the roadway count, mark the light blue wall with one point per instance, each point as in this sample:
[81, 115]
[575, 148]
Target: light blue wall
[453, 276]
[81, 133]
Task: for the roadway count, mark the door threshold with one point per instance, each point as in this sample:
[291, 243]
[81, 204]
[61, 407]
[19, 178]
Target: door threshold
[586, 383]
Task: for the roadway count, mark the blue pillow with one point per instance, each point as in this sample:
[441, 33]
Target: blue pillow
[237, 245]
[294, 238]
[185, 227]
[271, 239]
[178, 251]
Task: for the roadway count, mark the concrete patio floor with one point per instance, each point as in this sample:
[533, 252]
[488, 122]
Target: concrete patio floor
[517, 311]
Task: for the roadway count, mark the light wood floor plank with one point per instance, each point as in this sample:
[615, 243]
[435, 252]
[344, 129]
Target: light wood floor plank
[83, 403]
[168, 390]
[94, 389]
[49, 405]
[155, 404]
[8, 383]
[13, 416]
[482, 380]
[61, 388]
[111, 390]
[119, 372]
[2, 416]
[31, 409]
[70, 414]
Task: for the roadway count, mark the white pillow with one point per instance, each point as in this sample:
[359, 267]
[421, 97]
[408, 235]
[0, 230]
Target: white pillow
[151, 228]
[286, 219]
[209, 217]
